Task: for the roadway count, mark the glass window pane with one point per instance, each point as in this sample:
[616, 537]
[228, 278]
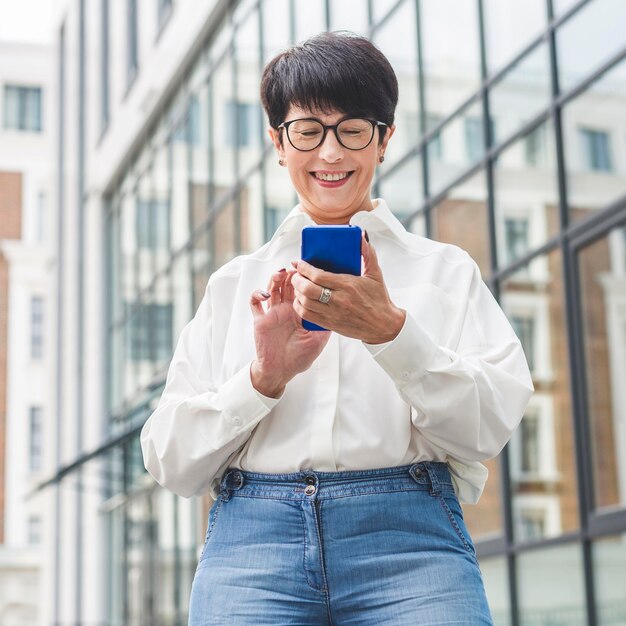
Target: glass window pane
[401, 26]
[602, 271]
[595, 144]
[561, 6]
[350, 16]
[224, 139]
[280, 197]
[451, 53]
[310, 18]
[510, 26]
[251, 213]
[380, 8]
[601, 25]
[609, 565]
[521, 94]
[526, 194]
[181, 293]
[496, 579]
[484, 520]
[402, 189]
[460, 217]
[275, 31]
[542, 454]
[417, 225]
[551, 588]
[455, 148]
[248, 113]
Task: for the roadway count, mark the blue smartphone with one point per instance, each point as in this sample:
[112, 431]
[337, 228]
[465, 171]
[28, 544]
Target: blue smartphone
[333, 249]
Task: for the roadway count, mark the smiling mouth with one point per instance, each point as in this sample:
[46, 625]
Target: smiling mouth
[331, 177]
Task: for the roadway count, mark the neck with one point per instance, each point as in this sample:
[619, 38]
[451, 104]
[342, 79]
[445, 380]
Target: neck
[324, 219]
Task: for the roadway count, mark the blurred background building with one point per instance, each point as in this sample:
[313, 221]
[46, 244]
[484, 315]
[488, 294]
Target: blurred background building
[510, 142]
[26, 293]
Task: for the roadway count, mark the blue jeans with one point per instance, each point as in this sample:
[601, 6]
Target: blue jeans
[366, 548]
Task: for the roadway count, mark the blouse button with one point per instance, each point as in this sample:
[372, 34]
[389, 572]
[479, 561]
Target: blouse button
[237, 420]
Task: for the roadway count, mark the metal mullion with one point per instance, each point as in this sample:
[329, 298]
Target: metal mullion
[421, 86]
[327, 14]
[385, 17]
[292, 21]
[236, 161]
[584, 232]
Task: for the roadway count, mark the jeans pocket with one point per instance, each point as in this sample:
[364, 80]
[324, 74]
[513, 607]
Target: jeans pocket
[452, 508]
[212, 521]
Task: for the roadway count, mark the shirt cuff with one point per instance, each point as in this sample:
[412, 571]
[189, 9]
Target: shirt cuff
[243, 405]
[407, 357]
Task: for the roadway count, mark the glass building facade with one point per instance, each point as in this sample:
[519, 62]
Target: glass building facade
[511, 143]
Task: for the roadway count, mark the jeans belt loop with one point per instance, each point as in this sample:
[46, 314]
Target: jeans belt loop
[435, 486]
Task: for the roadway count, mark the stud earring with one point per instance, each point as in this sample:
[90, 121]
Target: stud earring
[382, 158]
[281, 162]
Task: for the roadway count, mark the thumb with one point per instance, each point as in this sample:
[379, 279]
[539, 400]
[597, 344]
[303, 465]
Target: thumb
[371, 267]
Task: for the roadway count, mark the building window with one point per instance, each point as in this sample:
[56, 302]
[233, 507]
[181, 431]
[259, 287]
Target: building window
[104, 69]
[529, 433]
[22, 108]
[596, 150]
[188, 131]
[164, 8]
[524, 327]
[40, 220]
[131, 44]
[243, 124]
[515, 238]
[34, 530]
[36, 327]
[153, 224]
[535, 147]
[532, 524]
[150, 333]
[34, 439]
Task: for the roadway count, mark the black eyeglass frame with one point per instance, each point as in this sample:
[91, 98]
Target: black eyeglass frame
[375, 124]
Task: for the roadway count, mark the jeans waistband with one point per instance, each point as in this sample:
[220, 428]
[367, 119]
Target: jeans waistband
[433, 476]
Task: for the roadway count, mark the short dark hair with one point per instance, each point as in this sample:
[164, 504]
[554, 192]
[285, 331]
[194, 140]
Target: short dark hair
[334, 70]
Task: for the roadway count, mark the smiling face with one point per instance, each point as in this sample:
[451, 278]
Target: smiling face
[332, 182]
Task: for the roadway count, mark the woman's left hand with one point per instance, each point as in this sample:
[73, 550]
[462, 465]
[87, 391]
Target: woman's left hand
[359, 306]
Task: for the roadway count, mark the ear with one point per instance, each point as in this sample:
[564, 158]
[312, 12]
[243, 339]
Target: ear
[390, 130]
[276, 137]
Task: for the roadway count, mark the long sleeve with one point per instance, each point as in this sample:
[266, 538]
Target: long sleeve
[198, 424]
[468, 398]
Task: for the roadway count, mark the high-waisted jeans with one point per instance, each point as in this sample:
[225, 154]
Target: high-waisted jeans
[361, 548]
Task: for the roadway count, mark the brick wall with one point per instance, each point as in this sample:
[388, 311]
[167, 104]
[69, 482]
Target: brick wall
[10, 228]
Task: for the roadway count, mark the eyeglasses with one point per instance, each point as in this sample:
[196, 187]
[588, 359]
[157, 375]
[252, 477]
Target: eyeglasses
[308, 133]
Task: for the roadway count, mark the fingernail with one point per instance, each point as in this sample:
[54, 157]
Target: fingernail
[295, 264]
[367, 237]
[265, 294]
[282, 269]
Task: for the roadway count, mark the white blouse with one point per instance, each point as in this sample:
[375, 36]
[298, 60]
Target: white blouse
[452, 386]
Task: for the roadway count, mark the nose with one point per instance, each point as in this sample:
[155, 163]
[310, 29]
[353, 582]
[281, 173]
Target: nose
[330, 150]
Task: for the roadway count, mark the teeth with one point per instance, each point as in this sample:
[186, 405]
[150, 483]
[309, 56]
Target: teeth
[330, 177]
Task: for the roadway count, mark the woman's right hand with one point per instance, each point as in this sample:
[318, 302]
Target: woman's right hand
[283, 347]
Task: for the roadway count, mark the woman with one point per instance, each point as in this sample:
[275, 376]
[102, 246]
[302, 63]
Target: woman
[338, 458]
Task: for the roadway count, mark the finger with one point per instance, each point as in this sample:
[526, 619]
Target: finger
[371, 266]
[257, 298]
[288, 288]
[318, 276]
[274, 286]
[310, 304]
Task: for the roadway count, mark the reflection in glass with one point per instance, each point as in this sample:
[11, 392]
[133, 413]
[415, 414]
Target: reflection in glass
[602, 270]
[510, 26]
[460, 218]
[551, 588]
[526, 194]
[402, 189]
[401, 27]
[542, 463]
[522, 93]
[496, 579]
[451, 53]
[595, 145]
[609, 565]
[455, 148]
[601, 25]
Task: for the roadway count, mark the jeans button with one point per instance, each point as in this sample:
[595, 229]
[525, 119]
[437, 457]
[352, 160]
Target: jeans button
[310, 480]
[309, 490]
[417, 473]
